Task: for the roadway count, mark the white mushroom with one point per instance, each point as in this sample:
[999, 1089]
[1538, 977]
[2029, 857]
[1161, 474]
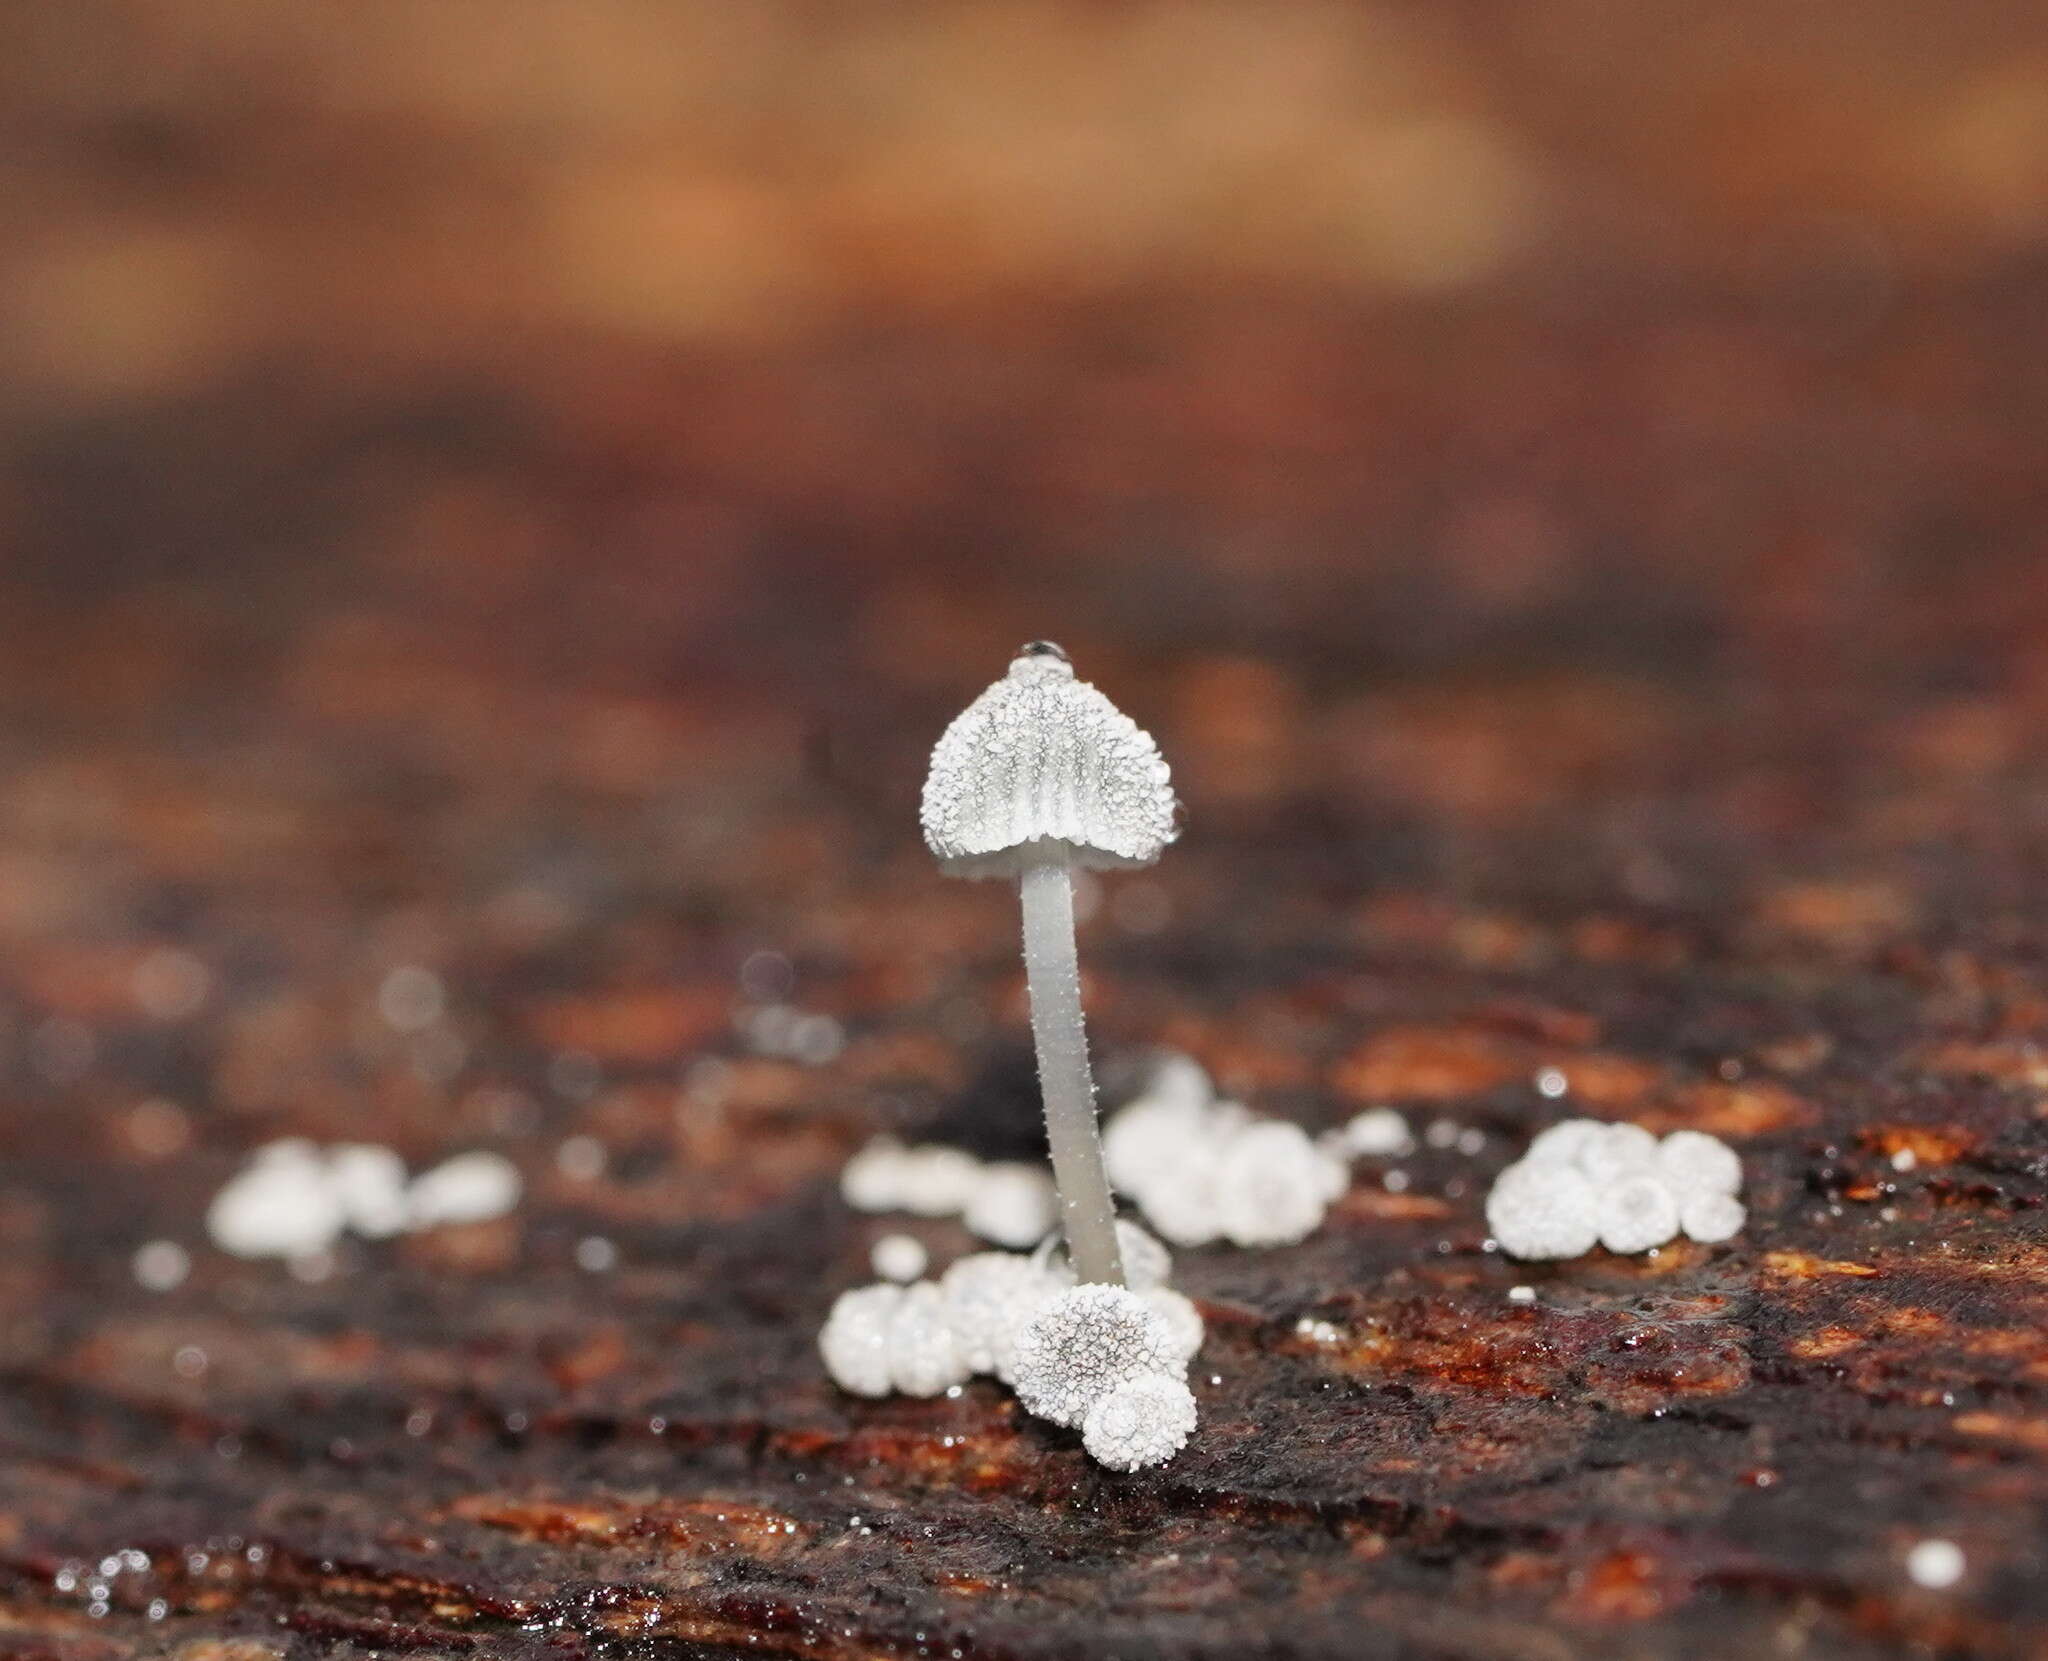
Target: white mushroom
[1271, 1185]
[1181, 1201]
[1543, 1211]
[923, 1358]
[1084, 1342]
[1334, 1170]
[1563, 1142]
[1178, 1078]
[370, 1183]
[1692, 1162]
[1039, 775]
[873, 1179]
[1379, 1133]
[937, 1181]
[280, 1206]
[1711, 1218]
[1013, 1204]
[989, 1297]
[1143, 1421]
[854, 1341]
[1184, 1326]
[1614, 1151]
[1147, 1134]
[1637, 1212]
[899, 1257]
[470, 1188]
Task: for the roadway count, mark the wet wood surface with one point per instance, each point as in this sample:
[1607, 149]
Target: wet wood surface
[1816, 934]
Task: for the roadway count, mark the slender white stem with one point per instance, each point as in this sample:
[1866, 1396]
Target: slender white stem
[1053, 973]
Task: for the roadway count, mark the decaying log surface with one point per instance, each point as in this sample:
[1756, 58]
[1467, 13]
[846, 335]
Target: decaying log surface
[1820, 938]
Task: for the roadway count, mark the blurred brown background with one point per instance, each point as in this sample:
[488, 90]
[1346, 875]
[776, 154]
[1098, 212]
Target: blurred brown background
[635, 342]
[497, 498]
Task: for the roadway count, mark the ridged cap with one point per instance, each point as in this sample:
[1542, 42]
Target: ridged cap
[1042, 763]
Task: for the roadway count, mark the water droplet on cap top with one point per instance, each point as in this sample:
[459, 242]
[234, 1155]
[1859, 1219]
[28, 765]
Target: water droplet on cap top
[1044, 648]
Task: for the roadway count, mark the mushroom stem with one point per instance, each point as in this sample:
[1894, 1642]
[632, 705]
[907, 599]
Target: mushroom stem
[1053, 973]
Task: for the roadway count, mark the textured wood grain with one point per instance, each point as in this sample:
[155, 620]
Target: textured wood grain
[464, 1443]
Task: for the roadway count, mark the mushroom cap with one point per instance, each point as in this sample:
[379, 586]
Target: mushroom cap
[1082, 1344]
[935, 1180]
[1617, 1151]
[989, 1296]
[1563, 1142]
[923, 1357]
[854, 1341]
[1272, 1185]
[1543, 1210]
[1148, 1135]
[899, 1257]
[472, 1187]
[370, 1183]
[1013, 1204]
[1378, 1133]
[1042, 766]
[276, 1207]
[1711, 1218]
[1184, 1323]
[1691, 1161]
[1637, 1213]
[873, 1179]
[1143, 1421]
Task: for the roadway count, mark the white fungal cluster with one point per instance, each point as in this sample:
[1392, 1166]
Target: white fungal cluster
[1006, 1201]
[1584, 1182]
[293, 1200]
[1109, 1359]
[1202, 1169]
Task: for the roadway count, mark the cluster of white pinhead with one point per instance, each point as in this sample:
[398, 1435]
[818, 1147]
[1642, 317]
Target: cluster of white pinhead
[1203, 1169]
[1109, 1359]
[1007, 1201]
[294, 1199]
[1584, 1182]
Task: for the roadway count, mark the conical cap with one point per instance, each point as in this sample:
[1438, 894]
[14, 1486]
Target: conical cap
[1043, 764]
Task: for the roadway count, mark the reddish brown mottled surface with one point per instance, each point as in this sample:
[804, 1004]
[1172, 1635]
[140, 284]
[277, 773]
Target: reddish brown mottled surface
[517, 489]
[1815, 936]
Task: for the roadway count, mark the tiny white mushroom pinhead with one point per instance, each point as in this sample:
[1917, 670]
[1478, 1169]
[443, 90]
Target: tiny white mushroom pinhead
[899, 1257]
[923, 1358]
[472, 1187]
[854, 1341]
[1543, 1211]
[1272, 1187]
[1178, 1079]
[1039, 775]
[937, 1181]
[1184, 1324]
[1637, 1212]
[989, 1297]
[279, 1206]
[1013, 1204]
[1562, 1143]
[1711, 1218]
[1143, 1421]
[1084, 1342]
[1147, 1134]
[1380, 1133]
[1692, 1162]
[1615, 1151]
[873, 1179]
[370, 1183]
[1179, 1199]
